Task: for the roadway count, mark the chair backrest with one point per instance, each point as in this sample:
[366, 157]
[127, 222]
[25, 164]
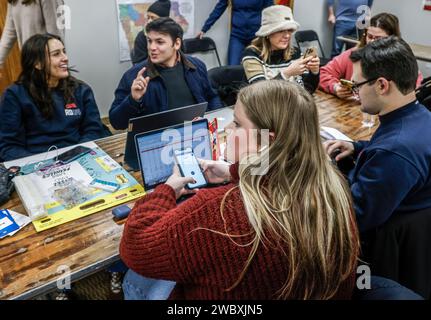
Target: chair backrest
[423, 93]
[401, 250]
[195, 45]
[227, 80]
[308, 36]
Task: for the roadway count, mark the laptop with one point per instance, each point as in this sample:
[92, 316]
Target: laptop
[155, 121]
[155, 149]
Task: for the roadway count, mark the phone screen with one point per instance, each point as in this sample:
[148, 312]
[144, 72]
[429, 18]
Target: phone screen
[311, 51]
[73, 154]
[346, 83]
[189, 167]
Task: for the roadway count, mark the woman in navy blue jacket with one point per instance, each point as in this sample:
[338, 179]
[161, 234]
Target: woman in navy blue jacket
[46, 106]
[246, 15]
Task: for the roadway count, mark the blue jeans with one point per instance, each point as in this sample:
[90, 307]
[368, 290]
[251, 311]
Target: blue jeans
[342, 28]
[236, 49]
[137, 287]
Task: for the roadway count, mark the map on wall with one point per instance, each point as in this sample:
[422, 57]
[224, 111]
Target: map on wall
[132, 19]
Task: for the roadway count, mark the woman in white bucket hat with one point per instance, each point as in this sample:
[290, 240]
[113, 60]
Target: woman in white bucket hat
[271, 56]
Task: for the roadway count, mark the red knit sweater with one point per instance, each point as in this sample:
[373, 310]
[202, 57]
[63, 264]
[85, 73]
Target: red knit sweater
[161, 241]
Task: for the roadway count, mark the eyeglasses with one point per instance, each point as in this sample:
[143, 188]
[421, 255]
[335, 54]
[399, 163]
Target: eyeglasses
[357, 86]
[372, 38]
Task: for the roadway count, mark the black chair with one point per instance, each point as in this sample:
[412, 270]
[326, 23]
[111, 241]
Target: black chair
[311, 36]
[195, 45]
[227, 80]
[400, 250]
[423, 93]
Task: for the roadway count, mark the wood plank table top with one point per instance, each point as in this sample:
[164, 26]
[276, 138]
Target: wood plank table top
[421, 52]
[31, 262]
[348, 39]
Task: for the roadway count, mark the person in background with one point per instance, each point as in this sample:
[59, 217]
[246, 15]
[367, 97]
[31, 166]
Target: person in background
[341, 67]
[271, 56]
[46, 106]
[344, 18]
[25, 18]
[158, 9]
[393, 169]
[245, 20]
[169, 79]
[284, 230]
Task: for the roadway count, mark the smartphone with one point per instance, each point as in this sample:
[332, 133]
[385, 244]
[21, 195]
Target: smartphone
[311, 51]
[73, 154]
[347, 83]
[189, 167]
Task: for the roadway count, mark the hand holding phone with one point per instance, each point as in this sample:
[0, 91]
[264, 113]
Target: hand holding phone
[347, 83]
[215, 172]
[189, 167]
[310, 52]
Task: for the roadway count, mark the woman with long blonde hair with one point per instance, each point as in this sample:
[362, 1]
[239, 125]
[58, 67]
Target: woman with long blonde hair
[280, 227]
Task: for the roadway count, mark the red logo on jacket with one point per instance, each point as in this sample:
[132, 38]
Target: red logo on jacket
[70, 106]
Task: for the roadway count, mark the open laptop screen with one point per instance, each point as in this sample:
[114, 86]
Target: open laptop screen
[157, 121]
[155, 149]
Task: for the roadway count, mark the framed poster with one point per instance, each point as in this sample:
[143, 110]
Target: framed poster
[288, 3]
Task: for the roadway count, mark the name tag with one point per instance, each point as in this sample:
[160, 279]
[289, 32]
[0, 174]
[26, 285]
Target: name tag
[72, 112]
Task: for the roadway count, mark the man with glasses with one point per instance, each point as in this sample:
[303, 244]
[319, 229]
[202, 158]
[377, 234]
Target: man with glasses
[392, 172]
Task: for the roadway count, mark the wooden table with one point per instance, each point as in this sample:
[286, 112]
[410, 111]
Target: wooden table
[348, 39]
[30, 261]
[421, 52]
[343, 115]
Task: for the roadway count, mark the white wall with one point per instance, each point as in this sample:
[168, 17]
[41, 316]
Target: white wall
[315, 19]
[415, 23]
[92, 44]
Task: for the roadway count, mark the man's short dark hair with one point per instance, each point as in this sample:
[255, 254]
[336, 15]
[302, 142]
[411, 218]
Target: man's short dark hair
[390, 58]
[166, 26]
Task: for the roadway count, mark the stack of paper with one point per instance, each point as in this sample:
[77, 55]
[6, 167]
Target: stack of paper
[329, 133]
